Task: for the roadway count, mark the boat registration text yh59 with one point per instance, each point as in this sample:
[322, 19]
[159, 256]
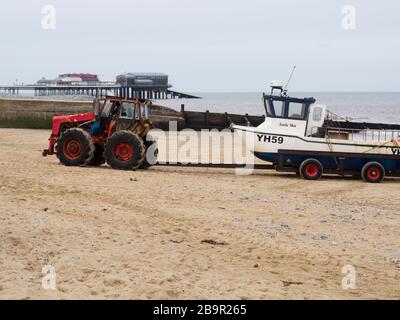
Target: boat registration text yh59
[270, 139]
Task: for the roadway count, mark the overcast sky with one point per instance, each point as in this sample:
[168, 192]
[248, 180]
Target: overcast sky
[207, 45]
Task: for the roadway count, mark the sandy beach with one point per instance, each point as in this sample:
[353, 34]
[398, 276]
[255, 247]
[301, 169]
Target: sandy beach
[189, 233]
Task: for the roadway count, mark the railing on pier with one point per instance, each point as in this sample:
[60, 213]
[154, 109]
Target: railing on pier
[99, 90]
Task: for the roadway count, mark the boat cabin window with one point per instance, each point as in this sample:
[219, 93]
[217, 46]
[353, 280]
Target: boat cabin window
[268, 108]
[286, 108]
[317, 114]
[296, 110]
[279, 108]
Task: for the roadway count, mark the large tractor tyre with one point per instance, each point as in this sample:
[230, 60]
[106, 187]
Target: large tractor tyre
[311, 169]
[75, 147]
[373, 172]
[151, 152]
[98, 157]
[125, 150]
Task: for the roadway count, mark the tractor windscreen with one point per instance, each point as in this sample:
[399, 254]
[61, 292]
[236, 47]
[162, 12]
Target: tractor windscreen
[144, 111]
[107, 109]
[128, 110]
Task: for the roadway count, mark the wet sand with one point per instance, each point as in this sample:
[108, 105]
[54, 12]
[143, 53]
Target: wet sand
[189, 233]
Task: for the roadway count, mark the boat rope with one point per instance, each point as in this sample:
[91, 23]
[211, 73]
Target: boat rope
[328, 140]
[394, 142]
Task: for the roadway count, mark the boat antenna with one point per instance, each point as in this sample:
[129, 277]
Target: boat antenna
[287, 83]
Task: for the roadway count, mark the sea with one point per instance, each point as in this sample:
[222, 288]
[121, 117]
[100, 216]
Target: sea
[356, 106]
[361, 107]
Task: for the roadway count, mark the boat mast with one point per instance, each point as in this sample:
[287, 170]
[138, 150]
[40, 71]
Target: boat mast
[287, 83]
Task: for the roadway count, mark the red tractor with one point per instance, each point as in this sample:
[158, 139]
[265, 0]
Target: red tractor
[115, 132]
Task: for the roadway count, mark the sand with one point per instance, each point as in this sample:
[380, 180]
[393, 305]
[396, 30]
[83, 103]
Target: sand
[141, 235]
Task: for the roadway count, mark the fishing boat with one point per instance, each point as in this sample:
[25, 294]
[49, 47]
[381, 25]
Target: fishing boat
[303, 136]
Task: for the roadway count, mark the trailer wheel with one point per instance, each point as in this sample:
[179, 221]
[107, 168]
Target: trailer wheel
[373, 172]
[75, 147]
[125, 150]
[311, 169]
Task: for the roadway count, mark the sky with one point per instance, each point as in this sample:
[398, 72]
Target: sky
[207, 45]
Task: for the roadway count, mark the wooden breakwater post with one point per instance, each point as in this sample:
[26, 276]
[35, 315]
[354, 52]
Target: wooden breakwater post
[212, 120]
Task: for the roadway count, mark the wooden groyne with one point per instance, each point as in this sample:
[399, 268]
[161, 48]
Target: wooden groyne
[212, 120]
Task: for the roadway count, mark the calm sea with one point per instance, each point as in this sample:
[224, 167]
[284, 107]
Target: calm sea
[369, 107]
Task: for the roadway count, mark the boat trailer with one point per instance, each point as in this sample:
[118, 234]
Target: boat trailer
[340, 162]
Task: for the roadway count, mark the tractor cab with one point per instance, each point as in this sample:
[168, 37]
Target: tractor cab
[122, 113]
[122, 108]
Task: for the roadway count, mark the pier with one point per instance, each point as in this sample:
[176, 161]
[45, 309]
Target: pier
[127, 91]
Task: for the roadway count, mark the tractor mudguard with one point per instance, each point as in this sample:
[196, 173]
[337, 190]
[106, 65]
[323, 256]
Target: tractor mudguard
[59, 120]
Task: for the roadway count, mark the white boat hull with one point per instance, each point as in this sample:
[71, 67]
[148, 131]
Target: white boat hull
[266, 146]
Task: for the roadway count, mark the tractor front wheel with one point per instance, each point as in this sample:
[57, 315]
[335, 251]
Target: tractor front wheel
[75, 147]
[125, 150]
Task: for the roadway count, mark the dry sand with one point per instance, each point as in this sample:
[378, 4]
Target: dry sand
[138, 235]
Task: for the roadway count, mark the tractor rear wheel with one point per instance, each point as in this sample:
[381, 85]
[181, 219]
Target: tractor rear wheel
[151, 152]
[75, 147]
[98, 157]
[125, 150]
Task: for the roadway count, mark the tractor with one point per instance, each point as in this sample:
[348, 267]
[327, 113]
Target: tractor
[116, 132]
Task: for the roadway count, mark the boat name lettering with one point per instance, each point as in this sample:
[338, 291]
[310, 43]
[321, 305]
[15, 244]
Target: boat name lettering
[396, 151]
[287, 125]
[270, 139]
